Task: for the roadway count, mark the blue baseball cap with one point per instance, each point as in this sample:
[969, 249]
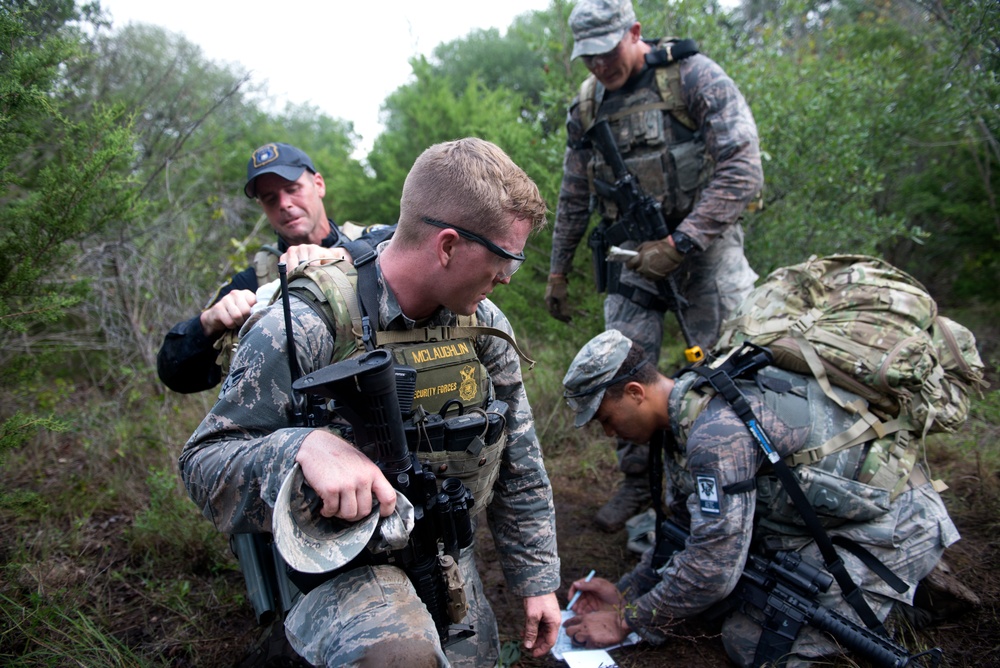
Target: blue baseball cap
[284, 160]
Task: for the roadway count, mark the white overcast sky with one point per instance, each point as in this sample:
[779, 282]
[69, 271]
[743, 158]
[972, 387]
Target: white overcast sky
[343, 57]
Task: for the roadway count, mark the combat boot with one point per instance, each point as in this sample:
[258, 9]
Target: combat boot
[631, 498]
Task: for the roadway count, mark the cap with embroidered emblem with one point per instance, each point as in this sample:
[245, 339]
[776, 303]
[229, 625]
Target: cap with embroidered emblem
[598, 25]
[284, 160]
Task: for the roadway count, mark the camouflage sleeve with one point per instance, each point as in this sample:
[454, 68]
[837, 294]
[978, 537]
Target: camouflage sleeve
[234, 463]
[719, 453]
[719, 109]
[573, 208]
[522, 514]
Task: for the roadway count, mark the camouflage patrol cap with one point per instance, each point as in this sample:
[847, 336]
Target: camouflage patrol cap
[593, 370]
[284, 160]
[598, 25]
[311, 543]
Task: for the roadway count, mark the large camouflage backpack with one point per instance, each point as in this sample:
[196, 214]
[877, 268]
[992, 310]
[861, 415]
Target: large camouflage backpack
[861, 324]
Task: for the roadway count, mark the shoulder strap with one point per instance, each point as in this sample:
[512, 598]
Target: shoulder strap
[664, 58]
[327, 287]
[590, 96]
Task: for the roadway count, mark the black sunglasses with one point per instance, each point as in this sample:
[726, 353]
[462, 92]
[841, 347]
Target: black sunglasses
[515, 258]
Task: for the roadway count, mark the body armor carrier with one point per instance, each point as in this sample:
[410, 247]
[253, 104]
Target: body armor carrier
[658, 139]
[457, 425]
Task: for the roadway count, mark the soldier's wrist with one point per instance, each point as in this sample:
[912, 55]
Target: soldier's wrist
[683, 243]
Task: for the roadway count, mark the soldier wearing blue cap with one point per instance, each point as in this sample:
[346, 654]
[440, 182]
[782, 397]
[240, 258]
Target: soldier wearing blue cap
[710, 461]
[284, 181]
[688, 137]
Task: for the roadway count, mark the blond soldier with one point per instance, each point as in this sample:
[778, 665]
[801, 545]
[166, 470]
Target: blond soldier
[465, 215]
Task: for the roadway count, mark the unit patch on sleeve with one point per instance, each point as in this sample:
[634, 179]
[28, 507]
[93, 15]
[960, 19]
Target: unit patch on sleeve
[708, 493]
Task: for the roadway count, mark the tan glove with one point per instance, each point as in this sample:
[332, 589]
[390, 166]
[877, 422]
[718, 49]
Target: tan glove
[656, 259]
[556, 297]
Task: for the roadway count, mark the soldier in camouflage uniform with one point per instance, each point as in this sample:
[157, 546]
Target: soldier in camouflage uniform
[698, 156]
[290, 191]
[482, 208]
[610, 381]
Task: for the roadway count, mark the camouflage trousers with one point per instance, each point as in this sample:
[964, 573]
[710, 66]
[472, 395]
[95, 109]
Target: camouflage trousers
[909, 539]
[343, 622]
[714, 283]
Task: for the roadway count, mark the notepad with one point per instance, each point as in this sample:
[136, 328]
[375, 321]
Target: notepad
[578, 657]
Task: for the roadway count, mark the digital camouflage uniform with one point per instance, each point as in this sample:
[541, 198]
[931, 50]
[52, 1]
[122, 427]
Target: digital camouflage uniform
[188, 360]
[908, 534]
[714, 277]
[234, 464]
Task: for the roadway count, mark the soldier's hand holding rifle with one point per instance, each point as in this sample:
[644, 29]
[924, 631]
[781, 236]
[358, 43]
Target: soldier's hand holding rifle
[656, 259]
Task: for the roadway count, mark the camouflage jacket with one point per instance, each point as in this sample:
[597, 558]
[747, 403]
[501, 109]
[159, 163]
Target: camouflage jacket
[235, 461]
[730, 134]
[711, 450]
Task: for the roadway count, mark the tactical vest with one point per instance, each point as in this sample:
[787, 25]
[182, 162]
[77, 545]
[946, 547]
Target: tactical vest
[659, 141]
[856, 483]
[459, 427]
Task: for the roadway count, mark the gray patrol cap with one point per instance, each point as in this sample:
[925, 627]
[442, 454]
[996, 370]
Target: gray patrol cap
[598, 25]
[284, 160]
[311, 543]
[593, 370]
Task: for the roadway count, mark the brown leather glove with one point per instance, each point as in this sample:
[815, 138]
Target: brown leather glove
[556, 297]
[656, 259]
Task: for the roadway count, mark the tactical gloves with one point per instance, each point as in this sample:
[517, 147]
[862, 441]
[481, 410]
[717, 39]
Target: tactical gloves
[656, 259]
[556, 294]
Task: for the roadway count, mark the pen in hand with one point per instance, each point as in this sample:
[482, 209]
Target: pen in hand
[576, 596]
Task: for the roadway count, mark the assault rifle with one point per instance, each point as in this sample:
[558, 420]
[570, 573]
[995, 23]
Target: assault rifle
[640, 218]
[364, 391]
[784, 590]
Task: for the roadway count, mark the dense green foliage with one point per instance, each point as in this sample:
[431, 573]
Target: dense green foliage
[122, 157]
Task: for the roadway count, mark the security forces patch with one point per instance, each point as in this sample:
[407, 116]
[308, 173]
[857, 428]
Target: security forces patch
[708, 493]
[265, 154]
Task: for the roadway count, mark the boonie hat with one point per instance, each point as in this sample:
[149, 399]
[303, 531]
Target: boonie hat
[284, 160]
[598, 25]
[311, 543]
[594, 366]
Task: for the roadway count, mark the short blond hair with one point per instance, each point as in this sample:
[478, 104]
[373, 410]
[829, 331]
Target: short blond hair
[470, 183]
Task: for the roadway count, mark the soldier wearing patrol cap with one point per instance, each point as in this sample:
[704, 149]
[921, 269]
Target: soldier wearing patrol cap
[283, 179]
[710, 461]
[466, 213]
[687, 135]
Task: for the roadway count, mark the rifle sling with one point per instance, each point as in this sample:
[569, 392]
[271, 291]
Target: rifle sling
[656, 447]
[725, 386]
